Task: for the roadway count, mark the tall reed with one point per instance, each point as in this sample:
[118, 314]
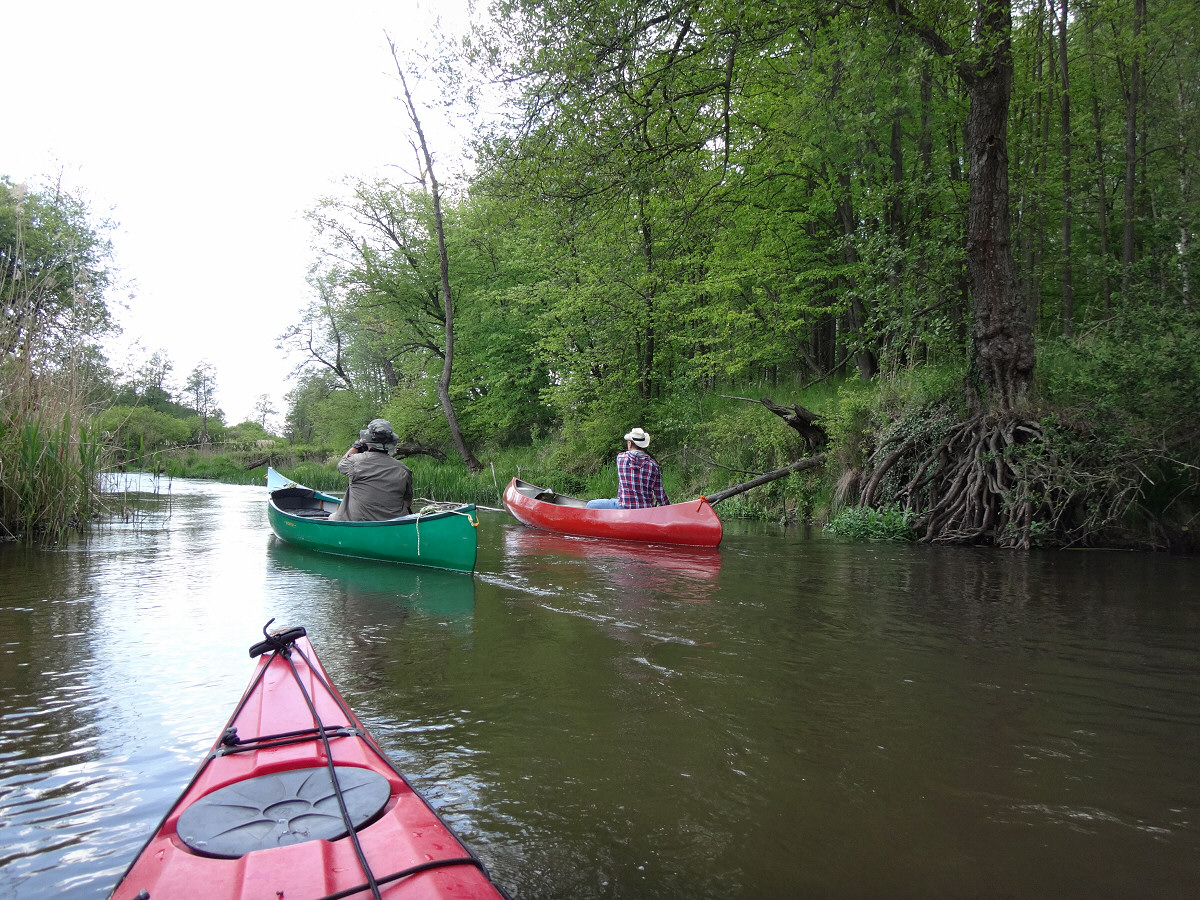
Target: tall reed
[50, 456]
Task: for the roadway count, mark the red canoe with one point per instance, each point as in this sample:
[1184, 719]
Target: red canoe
[694, 522]
[297, 801]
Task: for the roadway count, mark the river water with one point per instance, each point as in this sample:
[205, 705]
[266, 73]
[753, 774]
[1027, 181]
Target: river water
[792, 715]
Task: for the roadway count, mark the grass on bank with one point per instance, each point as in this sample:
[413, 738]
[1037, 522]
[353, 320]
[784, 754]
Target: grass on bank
[720, 441]
[50, 457]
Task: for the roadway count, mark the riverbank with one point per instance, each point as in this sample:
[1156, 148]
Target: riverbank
[1056, 483]
[899, 456]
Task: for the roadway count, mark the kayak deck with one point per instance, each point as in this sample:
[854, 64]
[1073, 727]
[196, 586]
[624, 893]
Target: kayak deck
[296, 800]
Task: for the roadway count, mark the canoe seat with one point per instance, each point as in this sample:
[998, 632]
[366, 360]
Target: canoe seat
[299, 501]
[293, 497]
[280, 809]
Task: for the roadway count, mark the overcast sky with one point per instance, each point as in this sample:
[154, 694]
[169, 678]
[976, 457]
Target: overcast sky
[206, 130]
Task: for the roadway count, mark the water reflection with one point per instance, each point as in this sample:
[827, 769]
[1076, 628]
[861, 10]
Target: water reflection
[686, 574]
[368, 584]
[789, 715]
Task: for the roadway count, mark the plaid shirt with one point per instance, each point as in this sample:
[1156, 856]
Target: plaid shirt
[639, 480]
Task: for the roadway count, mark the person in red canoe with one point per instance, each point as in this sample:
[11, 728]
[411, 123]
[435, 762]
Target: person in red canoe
[380, 486]
[639, 479]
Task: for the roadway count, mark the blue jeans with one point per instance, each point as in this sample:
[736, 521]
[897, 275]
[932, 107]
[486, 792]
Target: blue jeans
[604, 503]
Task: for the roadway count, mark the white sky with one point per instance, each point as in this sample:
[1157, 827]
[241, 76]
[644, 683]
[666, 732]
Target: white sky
[206, 130]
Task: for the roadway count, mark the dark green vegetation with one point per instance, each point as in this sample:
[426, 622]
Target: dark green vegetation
[52, 281]
[951, 241]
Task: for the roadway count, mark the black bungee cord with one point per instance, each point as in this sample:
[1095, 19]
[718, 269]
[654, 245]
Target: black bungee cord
[282, 644]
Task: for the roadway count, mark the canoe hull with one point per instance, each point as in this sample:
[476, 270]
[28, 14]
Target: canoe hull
[443, 540]
[693, 523]
[407, 832]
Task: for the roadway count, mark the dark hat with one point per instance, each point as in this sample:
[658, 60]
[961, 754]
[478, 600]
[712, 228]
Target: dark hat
[379, 432]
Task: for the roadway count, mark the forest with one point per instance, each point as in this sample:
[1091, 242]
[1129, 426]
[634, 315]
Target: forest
[926, 264]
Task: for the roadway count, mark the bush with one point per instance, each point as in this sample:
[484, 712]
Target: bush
[891, 523]
[50, 463]
[137, 431]
[1139, 371]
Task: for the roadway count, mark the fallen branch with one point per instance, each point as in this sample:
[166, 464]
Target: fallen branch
[716, 465]
[798, 466]
[805, 422]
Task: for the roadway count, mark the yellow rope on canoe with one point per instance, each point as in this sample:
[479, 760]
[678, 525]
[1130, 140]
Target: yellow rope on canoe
[432, 507]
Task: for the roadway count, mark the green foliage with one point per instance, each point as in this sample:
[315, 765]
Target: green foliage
[867, 414]
[54, 270]
[50, 464]
[1142, 370]
[891, 523]
[1135, 380]
[321, 476]
[747, 439]
[216, 467]
[248, 431]
[138, 432]
[53, 273]
[340, 416]
[853, 423]
[596, 436]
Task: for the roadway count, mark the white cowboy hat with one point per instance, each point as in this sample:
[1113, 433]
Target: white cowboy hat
[639, 438]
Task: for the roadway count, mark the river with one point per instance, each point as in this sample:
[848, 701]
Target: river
[792, 715]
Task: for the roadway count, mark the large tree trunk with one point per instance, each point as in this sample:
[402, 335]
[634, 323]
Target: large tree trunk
[1003, 338]
[1002, 355]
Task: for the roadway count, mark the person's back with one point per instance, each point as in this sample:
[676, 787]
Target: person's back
[380, 487]
[639, 480]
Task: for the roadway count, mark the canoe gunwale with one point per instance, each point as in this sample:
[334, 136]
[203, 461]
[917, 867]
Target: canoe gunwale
[466, 509]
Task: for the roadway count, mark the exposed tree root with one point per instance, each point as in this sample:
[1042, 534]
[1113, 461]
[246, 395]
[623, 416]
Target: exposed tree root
[1000, 479]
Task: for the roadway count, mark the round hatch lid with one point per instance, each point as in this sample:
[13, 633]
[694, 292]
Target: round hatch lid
[280, 809]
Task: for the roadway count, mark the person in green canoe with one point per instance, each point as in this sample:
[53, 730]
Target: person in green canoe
[380, 486]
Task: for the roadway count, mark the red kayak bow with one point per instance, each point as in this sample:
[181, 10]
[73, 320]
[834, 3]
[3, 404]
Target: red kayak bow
[296, 801]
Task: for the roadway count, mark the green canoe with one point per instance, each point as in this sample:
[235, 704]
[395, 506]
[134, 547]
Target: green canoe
[437, 537]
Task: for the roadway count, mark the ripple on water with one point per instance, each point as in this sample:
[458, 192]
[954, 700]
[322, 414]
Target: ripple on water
[786, 716]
